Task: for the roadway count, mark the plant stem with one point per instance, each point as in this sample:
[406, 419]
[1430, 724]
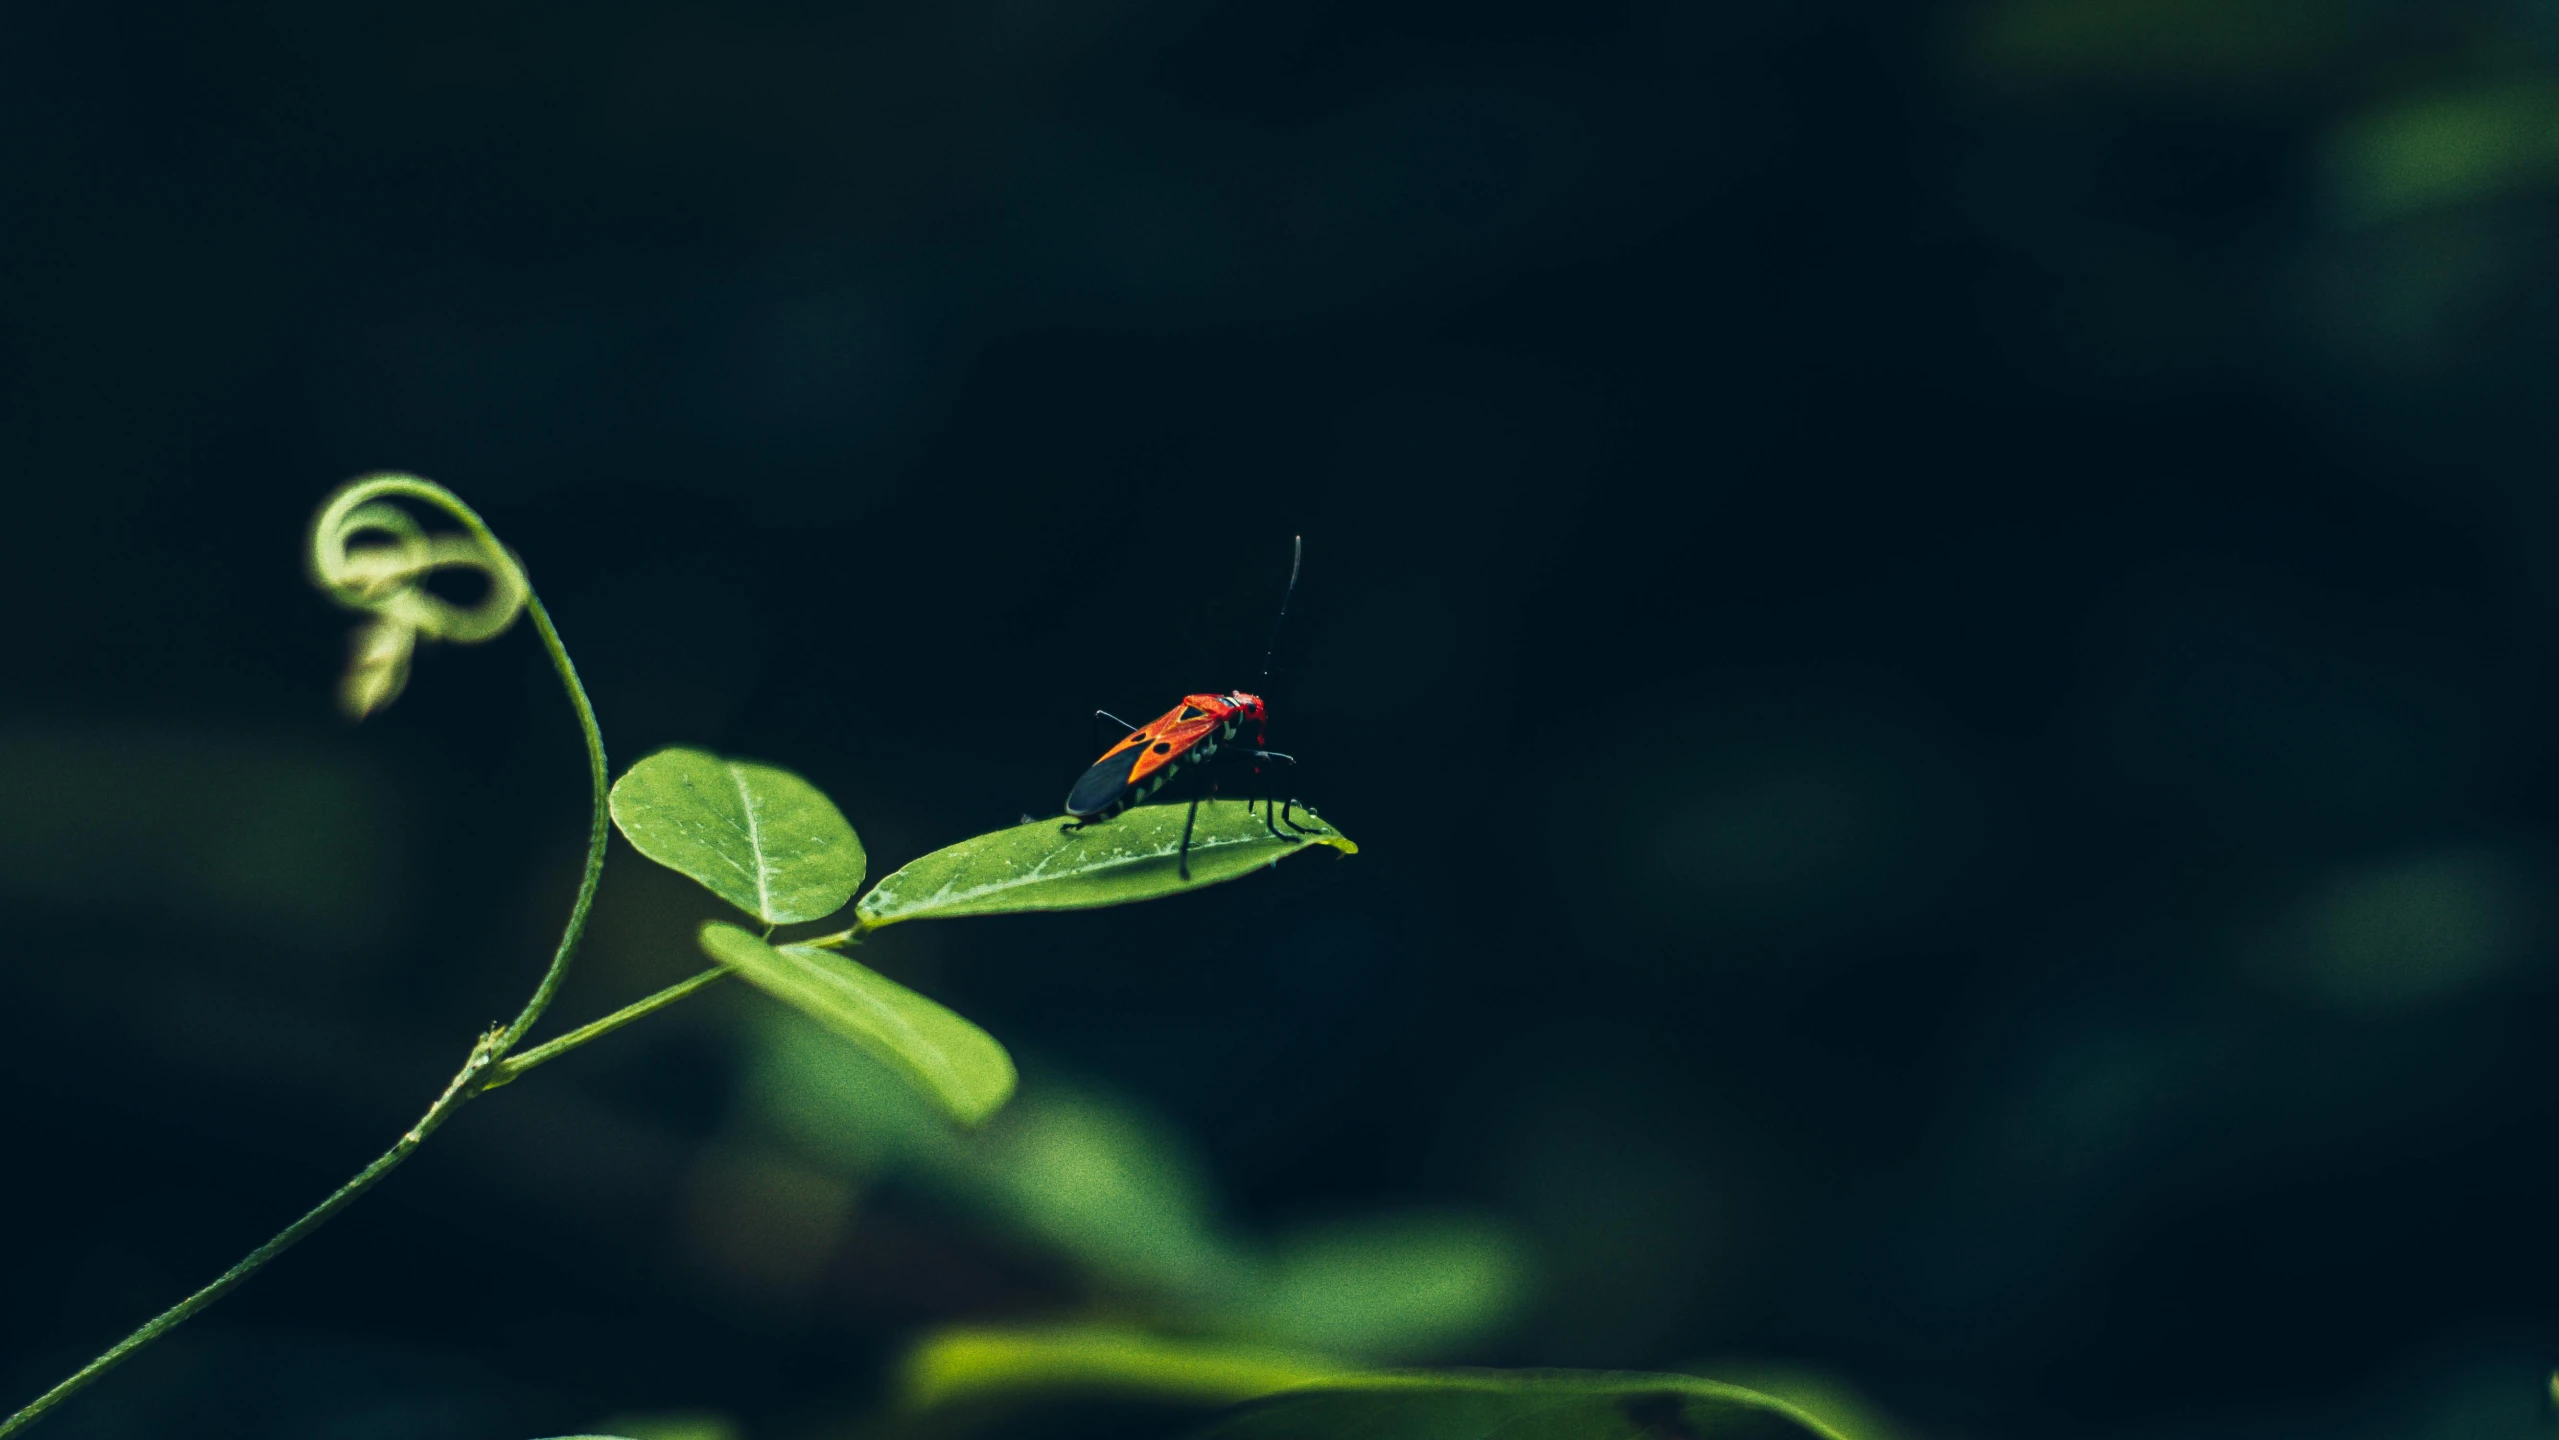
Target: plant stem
[506, 1070]
[462, 1089]
[597, 826]
[840, 938]
[471, 1080]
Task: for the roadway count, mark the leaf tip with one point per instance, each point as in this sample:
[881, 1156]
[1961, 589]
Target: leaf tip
[976, 1110]
[713, 935]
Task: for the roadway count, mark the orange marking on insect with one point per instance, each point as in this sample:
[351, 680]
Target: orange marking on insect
[1171, 737]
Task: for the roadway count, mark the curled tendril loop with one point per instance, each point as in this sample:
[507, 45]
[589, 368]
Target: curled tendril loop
[371, 556]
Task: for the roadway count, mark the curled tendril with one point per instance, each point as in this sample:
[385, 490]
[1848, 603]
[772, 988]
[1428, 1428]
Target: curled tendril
[371, 556]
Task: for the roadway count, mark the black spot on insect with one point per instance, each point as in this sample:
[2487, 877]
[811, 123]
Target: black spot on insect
[1189, 712]
[1659, 1414]
[1163, 747]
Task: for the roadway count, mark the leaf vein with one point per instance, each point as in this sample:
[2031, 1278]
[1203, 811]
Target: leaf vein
[754, 844]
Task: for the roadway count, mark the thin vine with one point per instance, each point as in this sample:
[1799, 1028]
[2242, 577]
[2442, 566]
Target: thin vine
[716, 820]
[386, 581]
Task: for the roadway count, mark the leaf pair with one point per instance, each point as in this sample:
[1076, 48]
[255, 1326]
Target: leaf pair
[776, 847]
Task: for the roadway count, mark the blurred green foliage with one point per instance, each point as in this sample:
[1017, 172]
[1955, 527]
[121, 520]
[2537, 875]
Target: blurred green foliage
[2409, 931]
[1121, 1196]
[2429, 151]
[294, 842]
[676, 1425]
[979, 1365]
[2244, 43]
[1500, 1406]
[1835, 1403]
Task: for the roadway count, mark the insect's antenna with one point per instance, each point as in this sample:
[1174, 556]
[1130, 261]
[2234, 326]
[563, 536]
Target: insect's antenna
[1296, 557]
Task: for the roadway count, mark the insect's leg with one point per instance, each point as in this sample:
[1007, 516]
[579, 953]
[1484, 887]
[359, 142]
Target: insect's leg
[1285, 804]
[1271, 803]
[1187, 822]
[1265, 786]
[1289, 820]
[1252, 785]
[1262, 789]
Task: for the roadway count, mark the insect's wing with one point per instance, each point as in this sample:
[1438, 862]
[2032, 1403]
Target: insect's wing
[1108, 780]
[1139, 762]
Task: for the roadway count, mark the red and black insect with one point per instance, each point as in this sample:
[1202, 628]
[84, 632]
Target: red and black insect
[1187, 737]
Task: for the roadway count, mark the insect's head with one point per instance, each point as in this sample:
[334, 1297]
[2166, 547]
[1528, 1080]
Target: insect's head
[1244, 704]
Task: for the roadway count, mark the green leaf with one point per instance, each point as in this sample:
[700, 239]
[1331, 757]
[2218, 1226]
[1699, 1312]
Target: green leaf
[946, 1057]
[674, 1425]
[1045, 865]
[1115, 1189]
[1826, 1398]
[1518, 1405]
[841, 1111]
[973, 1363]
[1398, 1288]
[762, 839]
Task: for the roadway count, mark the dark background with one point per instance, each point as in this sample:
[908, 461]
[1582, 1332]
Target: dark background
[1936, 623]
